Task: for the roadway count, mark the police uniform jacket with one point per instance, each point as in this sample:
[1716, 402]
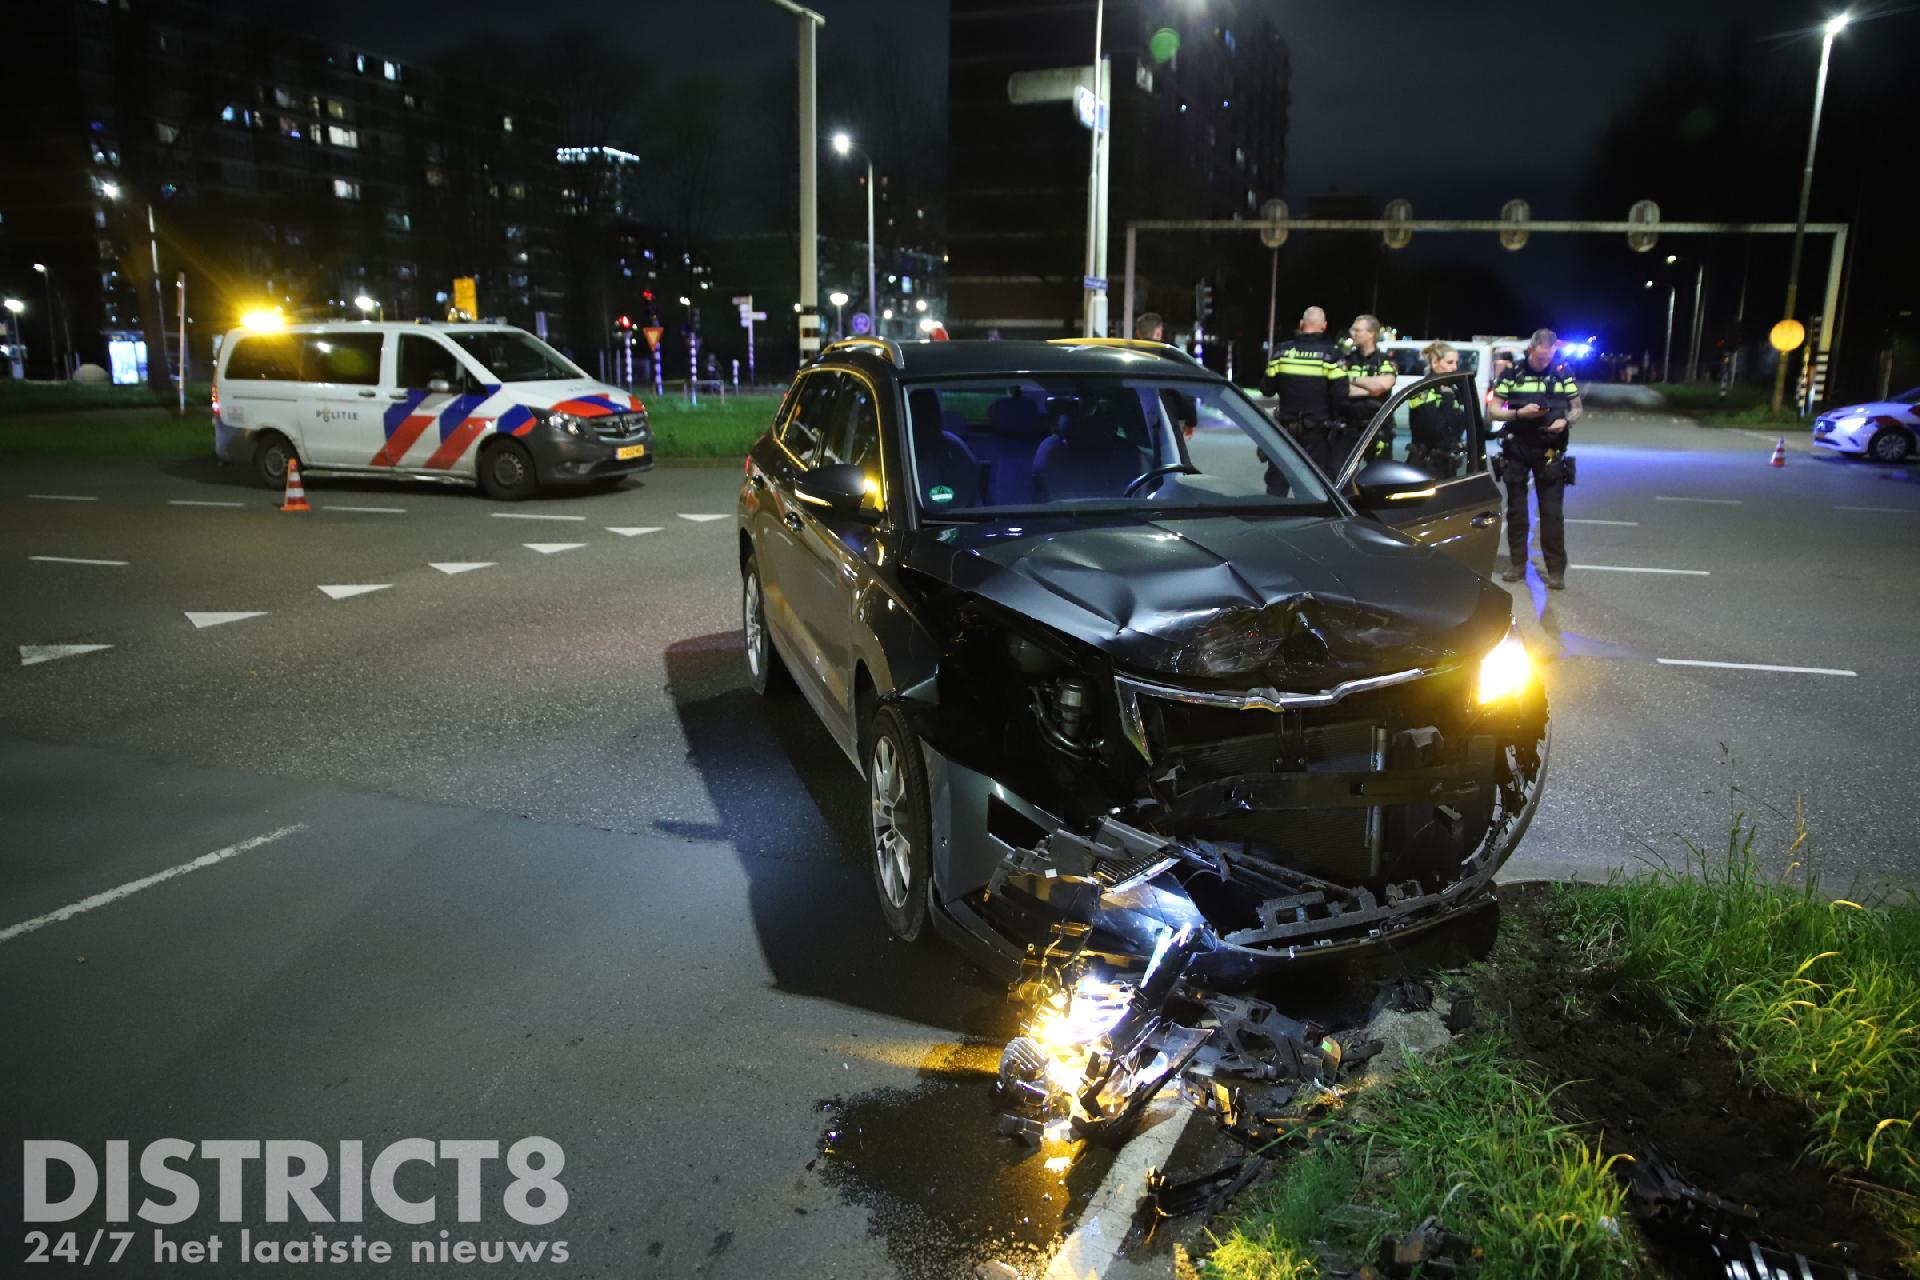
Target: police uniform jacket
[1361, 407]
[1437, 418]
[1552, 388]
[1306, 375]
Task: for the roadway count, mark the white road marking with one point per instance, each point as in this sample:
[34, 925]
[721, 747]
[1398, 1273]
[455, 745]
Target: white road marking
[1899, 511]
[377, 511]
[701, 517]
[63, 497]
[145, 882]
[529, 515]
[463, 566]
[75, 560]
[1624, 524]
[1716, 502]
[341, 593]
[1757, 666]
[1094, 1244]
[549, 548]
[633, 533]
[200, 502]
[31, 654]
[1622, 568]
[201, 621]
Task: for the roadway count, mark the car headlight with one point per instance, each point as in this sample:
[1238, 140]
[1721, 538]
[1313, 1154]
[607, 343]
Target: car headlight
[566, 422]
[1851, 421]
[1505, 671]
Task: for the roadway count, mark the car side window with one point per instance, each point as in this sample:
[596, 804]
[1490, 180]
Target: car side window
[348, 359]
[813, 412]
[424, 362]
[855, 433]
[268, 358]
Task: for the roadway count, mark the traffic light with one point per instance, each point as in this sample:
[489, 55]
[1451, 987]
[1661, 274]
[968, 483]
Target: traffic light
[647, 294]
[625, 322]
[1203, 302]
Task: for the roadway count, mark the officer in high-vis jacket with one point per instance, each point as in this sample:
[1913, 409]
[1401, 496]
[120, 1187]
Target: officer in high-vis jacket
[1538, 401]
[1370, 377]
[1306, 375]
[1437, 418]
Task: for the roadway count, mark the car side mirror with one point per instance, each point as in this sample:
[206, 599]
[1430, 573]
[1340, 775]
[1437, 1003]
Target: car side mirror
[1385, 483]
[439, 386]
[843, 489]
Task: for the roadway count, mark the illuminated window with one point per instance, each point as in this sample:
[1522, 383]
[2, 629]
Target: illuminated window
[506, 124]
[166, 133]
[340, 137]
[391, 70]
[436, 176]
[346, 189]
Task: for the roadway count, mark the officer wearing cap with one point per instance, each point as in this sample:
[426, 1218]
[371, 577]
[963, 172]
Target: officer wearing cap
[1369, 374]
[1539, 401]
[1306, 376]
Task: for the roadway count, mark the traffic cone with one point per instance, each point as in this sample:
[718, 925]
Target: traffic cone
[1779, 453]
[296, 499]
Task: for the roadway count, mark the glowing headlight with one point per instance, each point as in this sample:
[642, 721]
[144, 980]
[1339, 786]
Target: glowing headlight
[1852, 420]
[566, 422]
[1506, 670]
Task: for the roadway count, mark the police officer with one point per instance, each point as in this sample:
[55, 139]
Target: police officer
[1150, 328]
[1538, 400]
[1437, 418]
[1369, 373]
[1306, 376]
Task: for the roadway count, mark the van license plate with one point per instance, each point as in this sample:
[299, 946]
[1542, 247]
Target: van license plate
[631, 451]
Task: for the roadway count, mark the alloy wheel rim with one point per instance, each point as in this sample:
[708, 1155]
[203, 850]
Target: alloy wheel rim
[891, 848]
[750, 620]
[1889, 449]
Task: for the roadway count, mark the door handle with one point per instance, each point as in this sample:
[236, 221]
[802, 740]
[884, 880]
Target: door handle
[792, 519]
[369, 394]
[393, 395]
[1484, 519]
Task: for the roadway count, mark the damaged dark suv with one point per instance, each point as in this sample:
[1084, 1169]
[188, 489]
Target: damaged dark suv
[1116, 660]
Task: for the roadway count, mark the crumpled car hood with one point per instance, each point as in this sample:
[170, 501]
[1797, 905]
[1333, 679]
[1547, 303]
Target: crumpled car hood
[1298, 602]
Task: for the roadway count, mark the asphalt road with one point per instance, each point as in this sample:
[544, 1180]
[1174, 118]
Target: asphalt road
[535, 861]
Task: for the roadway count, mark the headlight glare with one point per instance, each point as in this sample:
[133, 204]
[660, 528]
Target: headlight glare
[566, 422]
[1506, 671]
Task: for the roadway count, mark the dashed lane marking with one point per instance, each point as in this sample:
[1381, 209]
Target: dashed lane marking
[1624, 524]
[64, 497]
[1713, 502]
[633, 533]
[118, 892]
[530, 515]
[701, 517]
[359, 589]
[1899, 511]
[1624, 568]
[551, 548]
[75, 560]
[201, 621]
[1757, 666]
[373, 511]
[34, 654]
[201, 502]
[463, 567]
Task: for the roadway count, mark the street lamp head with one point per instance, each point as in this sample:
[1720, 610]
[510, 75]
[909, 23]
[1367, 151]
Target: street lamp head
[41, 267]
[1672, 258]
[919, 304]
[842, 142]
[837, 298]
[111, 190]
[1838, 23]
[365, 303]
[685, 301]
[15, 305]
[1649, 284]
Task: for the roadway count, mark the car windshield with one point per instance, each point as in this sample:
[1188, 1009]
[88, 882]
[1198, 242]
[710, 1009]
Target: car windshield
[1910, 396]
[511, 356]
[1038, 441]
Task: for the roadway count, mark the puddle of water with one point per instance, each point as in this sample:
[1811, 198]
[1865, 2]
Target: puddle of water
[942, 1188]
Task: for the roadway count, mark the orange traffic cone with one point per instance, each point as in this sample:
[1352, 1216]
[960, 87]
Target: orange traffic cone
[1780, 453]
[296, 499]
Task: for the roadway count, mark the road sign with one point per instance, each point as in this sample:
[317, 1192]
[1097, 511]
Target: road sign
[1642, 211]
[1398, 237]
[1787, 335]
[1087, 108]
[653, 332]
[862, 324]
[748, 317]
[1515, 211]
[1093, 282]
[1273, 211]
[744, 301]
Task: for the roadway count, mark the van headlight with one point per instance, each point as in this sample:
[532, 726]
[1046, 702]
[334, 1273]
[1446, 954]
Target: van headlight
[1505, 671]
[566, 422]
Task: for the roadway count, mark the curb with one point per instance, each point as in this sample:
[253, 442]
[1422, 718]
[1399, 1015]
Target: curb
[1094, 1244]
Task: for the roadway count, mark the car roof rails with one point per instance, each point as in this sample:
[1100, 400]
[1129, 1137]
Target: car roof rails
[886, 346]
[1131, 344]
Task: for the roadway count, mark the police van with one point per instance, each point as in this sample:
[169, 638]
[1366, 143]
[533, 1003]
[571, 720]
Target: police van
[483, 403]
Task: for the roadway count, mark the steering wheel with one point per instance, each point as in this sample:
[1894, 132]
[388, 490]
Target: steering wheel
[1185, 468]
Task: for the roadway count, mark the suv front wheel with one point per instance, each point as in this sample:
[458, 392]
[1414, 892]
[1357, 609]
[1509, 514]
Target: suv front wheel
[902, 830]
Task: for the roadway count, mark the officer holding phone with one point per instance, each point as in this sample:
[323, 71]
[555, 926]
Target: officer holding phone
[1538, 401]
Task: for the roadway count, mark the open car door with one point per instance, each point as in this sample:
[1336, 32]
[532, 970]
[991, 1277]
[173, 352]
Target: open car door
[1457, 513]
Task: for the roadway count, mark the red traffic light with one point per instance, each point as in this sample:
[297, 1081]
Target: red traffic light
[626, 322]
[647, 294]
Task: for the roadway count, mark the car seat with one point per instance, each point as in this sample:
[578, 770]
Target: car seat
[1017, 428]
[1086, 458]
[941, 457]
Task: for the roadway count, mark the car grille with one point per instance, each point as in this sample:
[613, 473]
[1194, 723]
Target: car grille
[619, 426]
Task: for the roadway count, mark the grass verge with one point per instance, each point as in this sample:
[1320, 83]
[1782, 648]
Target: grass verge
[1466, 1134]
[1744, 406]
[74, 397]
[1819, 997]
[716, 430]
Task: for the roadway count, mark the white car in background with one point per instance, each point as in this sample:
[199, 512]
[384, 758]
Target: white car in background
[1884, 430]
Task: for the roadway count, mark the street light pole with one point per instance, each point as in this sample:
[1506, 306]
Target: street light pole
[53, 342]
[1833, 28]
[1699, 322]
[808, 23]
[1095, 296]
[1666, 355]
[843, 145]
